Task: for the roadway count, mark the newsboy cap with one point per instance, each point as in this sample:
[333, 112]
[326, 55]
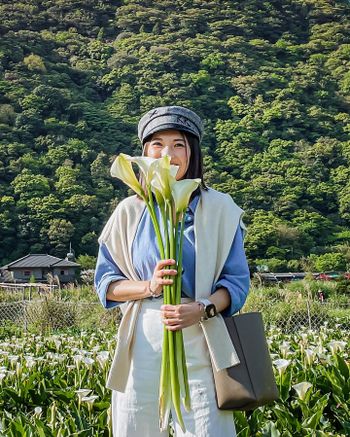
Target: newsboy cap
[170, 117]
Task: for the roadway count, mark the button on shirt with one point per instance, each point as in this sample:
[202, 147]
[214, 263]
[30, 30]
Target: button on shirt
[234, 277]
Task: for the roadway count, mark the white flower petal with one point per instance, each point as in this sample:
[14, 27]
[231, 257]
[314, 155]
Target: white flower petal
[302, 388]
[83, 392]
[122, 169]
[182, 190]
[89, 399]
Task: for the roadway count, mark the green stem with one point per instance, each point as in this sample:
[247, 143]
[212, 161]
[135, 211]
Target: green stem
[150, 205]
[172, 250]
[179, 276]
[166, 288]
[180, 348]
[186, 399]
[165, 377]
[174, 378]
[164, 387]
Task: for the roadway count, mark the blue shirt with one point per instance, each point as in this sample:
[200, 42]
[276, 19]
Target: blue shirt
[234, 277]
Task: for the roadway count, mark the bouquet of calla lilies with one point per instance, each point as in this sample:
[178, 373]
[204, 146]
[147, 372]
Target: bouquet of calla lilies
[172, 197]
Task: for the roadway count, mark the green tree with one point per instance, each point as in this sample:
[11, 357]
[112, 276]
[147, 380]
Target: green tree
[34, 63]
[328, 262]
[60, 233]
[86, 261]
[27, 185]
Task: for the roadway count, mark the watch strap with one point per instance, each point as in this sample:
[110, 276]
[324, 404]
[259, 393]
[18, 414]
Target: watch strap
[206, 303]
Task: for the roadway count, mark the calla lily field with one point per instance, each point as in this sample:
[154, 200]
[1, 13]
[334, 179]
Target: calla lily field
[55, 385]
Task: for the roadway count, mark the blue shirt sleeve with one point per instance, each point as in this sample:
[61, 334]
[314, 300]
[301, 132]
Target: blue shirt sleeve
[106, 271]
[235, 275]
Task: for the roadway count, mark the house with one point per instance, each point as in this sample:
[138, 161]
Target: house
[38, 266]
[268, 277]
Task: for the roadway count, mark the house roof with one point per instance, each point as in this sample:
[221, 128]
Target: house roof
[65, 263]
[39, 260]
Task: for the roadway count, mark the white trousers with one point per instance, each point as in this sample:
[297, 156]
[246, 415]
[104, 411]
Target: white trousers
[135, 412]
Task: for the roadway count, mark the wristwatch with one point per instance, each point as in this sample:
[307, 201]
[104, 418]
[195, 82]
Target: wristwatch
[209, 309]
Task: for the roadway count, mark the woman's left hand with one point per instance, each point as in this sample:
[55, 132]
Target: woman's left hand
[181, 316]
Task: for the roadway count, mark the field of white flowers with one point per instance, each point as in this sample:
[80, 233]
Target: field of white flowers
[55, 385]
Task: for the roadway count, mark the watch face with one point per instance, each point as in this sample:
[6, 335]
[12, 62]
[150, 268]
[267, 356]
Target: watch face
[210, 310]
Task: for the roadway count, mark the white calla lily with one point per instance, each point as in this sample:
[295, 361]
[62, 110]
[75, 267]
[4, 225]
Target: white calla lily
[319, 349]
[83, 392]
[281, 365]
[310, 355]
[164, 177]
[285, 349]
[182, 190]
[102, 358]
[30, 362]
[147, 166]
[122, 169]
[89, 399]
[302, 389]
[78, 358]
[38, 411]
[88, 361]
[304, 337]
[336, 345]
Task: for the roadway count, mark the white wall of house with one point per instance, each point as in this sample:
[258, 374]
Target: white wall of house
[65, 274]
[23, 275]
[26, 273]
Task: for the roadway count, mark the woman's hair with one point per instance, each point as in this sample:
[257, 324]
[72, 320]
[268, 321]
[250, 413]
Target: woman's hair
[195, 166]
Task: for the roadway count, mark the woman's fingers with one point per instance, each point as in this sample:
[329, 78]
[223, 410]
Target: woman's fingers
[165, 281]
[180, 316]
[165, 262]
[160, 271]
[166, 272]
[168, 321]
[180, 309]
[173, 324]
[174, 327]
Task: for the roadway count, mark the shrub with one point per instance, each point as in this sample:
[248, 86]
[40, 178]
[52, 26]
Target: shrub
[49, 314]
[342, 286]
[274, 264]
[328, 261]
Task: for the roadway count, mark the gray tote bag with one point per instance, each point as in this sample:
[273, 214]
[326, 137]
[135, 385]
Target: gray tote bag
[251, 383]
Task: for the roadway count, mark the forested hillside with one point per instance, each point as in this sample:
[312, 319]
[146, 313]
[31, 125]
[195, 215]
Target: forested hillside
[271, 80]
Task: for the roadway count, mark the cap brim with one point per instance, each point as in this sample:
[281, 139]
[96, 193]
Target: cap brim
[166, 126]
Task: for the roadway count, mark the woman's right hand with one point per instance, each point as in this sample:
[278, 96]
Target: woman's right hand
[158, 280]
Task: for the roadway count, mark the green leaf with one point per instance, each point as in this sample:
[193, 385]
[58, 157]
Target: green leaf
[12, 394]
[241, 423]
[313, 421]
[270, 430]
[41, 429]
[342, 366]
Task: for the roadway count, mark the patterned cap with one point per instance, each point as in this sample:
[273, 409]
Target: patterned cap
[170, 117]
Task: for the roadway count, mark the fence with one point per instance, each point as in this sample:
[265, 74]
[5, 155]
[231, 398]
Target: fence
[47, 314]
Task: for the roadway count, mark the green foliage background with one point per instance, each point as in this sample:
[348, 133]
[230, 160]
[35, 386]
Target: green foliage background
[270, 79]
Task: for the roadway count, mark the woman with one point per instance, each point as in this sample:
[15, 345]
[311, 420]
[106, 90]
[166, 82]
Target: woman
[215, 280]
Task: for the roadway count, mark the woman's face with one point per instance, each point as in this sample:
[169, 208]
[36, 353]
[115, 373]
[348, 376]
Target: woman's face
[172, 143]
